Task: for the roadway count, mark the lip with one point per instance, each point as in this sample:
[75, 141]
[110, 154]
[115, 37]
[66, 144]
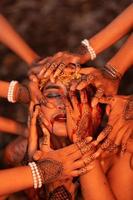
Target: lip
[60, 117]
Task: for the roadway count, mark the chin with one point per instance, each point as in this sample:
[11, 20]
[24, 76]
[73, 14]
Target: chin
[59, 129]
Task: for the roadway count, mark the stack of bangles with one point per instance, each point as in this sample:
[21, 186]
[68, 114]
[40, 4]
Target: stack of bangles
[111, 71]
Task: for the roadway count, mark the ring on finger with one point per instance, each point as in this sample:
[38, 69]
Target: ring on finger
[108, 142]
[83, 171]
[99, 93]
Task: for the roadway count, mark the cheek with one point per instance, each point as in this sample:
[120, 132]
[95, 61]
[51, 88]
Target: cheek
[47, 112]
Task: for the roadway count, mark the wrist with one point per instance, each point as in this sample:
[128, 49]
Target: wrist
[111, 72]
[21, 94]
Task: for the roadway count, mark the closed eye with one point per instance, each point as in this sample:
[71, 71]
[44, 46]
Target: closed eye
[53, 95]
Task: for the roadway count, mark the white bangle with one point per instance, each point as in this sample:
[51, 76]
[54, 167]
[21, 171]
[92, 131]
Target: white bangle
[37, 181]
[90, 49]
[11, 91]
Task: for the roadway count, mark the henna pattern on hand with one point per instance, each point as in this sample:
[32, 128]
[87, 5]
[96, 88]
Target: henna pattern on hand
[128, 111]
[50, 170]
[83, 126]
[60, 193]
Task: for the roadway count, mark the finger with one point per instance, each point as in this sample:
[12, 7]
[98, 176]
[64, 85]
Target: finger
[74, 100]
[66, 59]
[78, 164]
[33, 78]
[103, 147]
[98, 95]
[33, 137]
[86, 169]
[86, 80]
[45, 145]
[60, 68]
[73, 148]
[68, 106]
[74, 84]
[120, 133]
[45, 63]
[51, 68]
[37, 155]
[105, 132]
[76, 155]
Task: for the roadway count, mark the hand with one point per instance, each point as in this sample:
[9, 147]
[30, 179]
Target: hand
[104, 85]
[35, 93]
[52, 66]
[120, 125]
[62, 163]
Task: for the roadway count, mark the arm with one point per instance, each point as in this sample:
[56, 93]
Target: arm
[13, 127]
[10, 38]
[103, 79]
[94, 185]
[120, 26]
[15, 179]
[123, 59]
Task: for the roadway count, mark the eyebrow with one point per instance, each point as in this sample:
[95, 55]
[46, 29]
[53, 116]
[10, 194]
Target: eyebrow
[52, 87]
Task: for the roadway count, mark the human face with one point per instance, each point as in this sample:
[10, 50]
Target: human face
[56, 116]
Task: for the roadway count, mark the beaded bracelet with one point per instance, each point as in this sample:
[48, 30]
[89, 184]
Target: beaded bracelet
[37, 181]
[89, 48]
[10, 95]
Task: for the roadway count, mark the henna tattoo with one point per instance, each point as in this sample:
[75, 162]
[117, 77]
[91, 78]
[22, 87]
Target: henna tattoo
[123, 148]
[22, 94]
[50, 170]
[83, 126]
[107, 130]
[89, 159]
[60, 193]
[99, 92]
[81, 50]
[108, 142]
[113, 148]
[128, 111]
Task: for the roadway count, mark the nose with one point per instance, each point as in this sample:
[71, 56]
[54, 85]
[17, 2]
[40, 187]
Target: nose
[61, 106]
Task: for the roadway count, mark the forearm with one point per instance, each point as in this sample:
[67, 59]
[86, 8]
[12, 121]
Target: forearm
[95, 185]
[10, 38]
[15, 179]
[112, 32]
[11, 126]
[123, 59]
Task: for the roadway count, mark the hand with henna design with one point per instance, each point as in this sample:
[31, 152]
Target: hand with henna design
[120, 125]
[51, 67]
[104, 84]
